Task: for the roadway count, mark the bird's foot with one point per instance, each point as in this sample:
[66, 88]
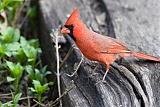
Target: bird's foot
[94, 74]
[101, 81]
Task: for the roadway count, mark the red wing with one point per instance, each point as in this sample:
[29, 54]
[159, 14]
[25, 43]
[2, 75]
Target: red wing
[109, 45]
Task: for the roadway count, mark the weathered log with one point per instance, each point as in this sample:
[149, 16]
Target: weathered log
[130, 82]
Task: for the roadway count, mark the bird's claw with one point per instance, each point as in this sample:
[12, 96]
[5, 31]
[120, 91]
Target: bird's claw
[93, 74]
[101, 81]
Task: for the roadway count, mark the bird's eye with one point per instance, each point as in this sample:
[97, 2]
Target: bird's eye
[72, 25]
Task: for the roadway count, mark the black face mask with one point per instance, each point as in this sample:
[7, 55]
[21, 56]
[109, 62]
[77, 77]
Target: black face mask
[70, 27]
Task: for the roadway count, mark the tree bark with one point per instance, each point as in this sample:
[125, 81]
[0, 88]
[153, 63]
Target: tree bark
[130, 82]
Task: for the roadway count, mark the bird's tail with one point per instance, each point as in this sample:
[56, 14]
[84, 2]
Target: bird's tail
[145, 56]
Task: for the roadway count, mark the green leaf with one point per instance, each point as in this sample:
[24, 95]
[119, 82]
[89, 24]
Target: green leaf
[16, 35]
[50, 83]
[6, 49]
[39, 89]
[32, 89]
[23, 42]
[10, 79]
[37, 86]
[9, 54]
[18, 70]
[10, 65]
[30, 72]
[9, 105]
[2, 50]
[45, 73]
[13, 46]
[12, 87]
[5, 4]
[8, 35]
[39, 50]
[20, 56]
[44, 69]
[16, 98]
[34, 43]
[39, 76]
[1, 105]
[31, 59]
[15, 69]
[48, 72]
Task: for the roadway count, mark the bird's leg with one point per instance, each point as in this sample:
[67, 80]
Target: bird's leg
[77, 67]
[107, 69]
[105, 75]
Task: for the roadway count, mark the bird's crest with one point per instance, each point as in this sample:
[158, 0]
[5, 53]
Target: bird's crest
[74, 16]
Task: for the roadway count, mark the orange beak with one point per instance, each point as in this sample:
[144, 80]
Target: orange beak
[65, 30]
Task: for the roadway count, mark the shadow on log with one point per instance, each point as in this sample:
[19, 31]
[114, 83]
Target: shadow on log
[130, 82]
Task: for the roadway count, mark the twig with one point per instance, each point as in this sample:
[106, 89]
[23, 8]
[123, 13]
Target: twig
[55, 102]
[6, 97]
[66, 57]
[24, 19]
[57, 54]
[16, 16]
[39, 103]
[28, 99]
[58, 74]
[35, 105]
[76, 67]
[6, 94]
[19, 99]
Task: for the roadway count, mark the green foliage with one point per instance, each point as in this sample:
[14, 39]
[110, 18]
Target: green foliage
[9, 42]
[7, 49]
[10, 5]
[16, 71]
[7, 105]
[28, 51]
[39, 89]
[18, 54]
[24, 51]
[7, 4]
[10, 35]
[15, 100]
[37, 74]
[30, 48]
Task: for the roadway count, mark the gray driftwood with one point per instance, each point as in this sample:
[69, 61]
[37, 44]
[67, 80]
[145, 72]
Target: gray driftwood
[130, 82]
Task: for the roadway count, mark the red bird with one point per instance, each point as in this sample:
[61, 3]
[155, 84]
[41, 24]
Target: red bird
[98, 47]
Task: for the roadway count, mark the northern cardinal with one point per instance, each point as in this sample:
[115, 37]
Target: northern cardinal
[98, 47]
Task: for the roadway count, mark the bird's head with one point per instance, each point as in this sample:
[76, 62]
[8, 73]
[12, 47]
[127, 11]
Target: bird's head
[73, 26]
